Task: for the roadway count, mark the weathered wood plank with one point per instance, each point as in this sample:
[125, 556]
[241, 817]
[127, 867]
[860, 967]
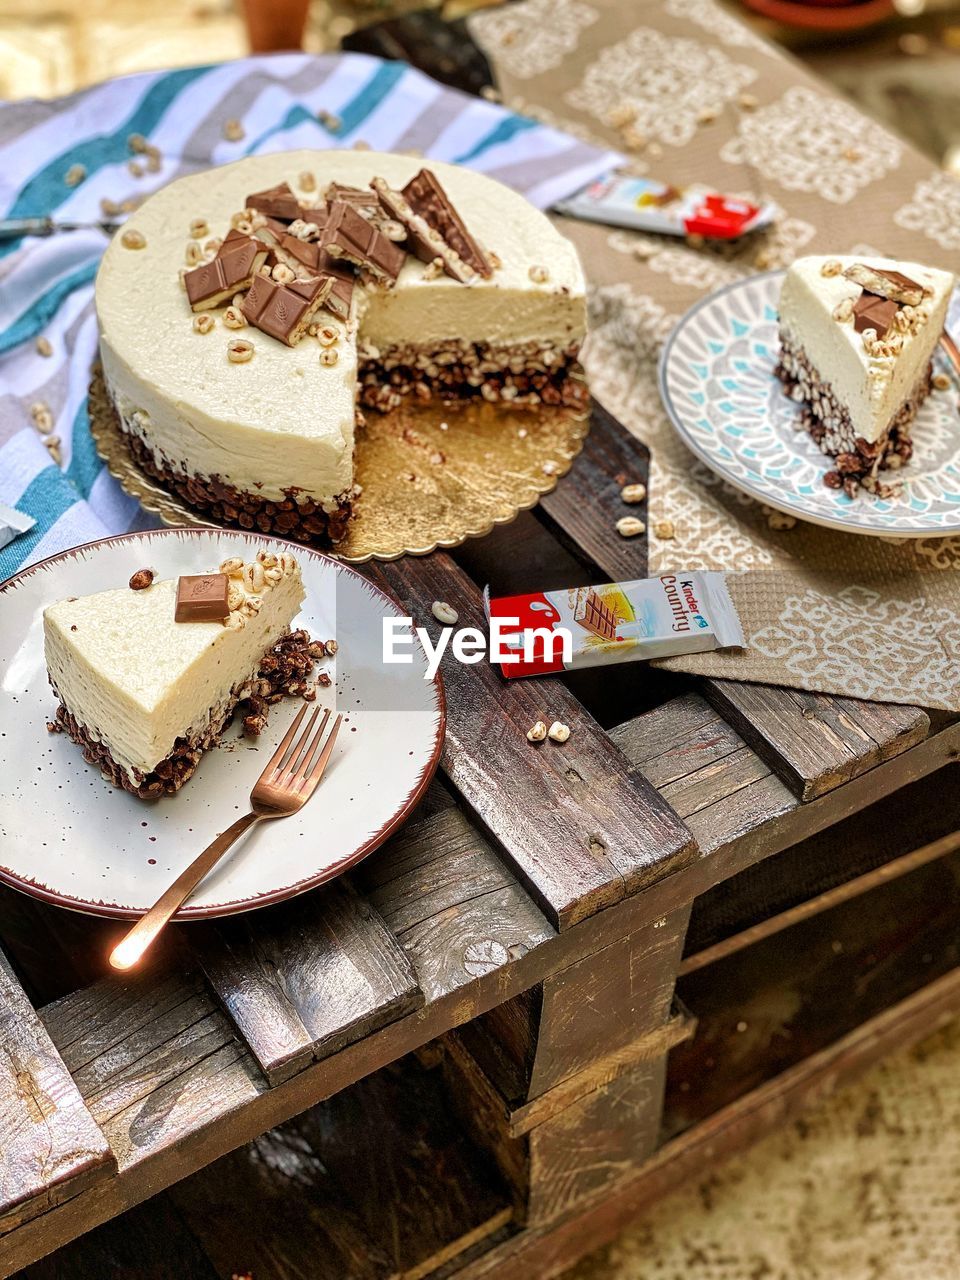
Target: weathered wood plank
[586, 504]
[50, 1146]
[596, 1142]
[453, 905]
[581, 826]
[812, 741]
[605, 1001]
[379, 1181]
[737, 808]
[304, 979]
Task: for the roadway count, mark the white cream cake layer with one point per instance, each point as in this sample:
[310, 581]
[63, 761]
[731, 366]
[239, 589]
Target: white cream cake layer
[283, 419]
[137, 680]
[872, 388]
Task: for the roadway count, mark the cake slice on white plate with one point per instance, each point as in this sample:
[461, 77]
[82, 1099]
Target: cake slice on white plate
[148, 675]
[857, 336]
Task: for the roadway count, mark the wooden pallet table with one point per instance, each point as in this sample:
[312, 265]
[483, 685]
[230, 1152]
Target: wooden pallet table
[479, 1053]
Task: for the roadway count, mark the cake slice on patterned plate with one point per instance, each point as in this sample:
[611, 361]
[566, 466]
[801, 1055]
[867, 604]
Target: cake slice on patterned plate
[857, 336]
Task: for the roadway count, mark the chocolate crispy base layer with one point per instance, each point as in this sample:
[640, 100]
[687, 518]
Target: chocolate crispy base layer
[283, 671]
[530, 374]
[858, 460]
[304, 522]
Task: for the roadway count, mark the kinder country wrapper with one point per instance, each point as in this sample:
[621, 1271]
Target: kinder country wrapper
[616, 622]
[643, 204]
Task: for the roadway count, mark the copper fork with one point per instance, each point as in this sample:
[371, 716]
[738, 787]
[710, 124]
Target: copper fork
[286, 784]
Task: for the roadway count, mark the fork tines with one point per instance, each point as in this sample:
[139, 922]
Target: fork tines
[304, 760]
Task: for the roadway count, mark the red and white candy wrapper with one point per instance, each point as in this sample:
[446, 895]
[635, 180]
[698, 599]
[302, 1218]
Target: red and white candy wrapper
[534, 635]
[642, 204]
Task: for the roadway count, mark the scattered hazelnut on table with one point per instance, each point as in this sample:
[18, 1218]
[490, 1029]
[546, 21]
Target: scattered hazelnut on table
[239, 351]
[664, 529]
[137, 143]
[43, 347]
[558, 731]
[633, 493]
[630, 527]
[748, 101]
[133, 239]
[941, 382]
[444, 612]
[233, 131]
[779, 520]
[75, 175]
[135, 168]
[537, 732]
[142, 579]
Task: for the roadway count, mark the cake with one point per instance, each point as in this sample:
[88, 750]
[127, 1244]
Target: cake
[857, 336]
[248, 314]
[148, 678]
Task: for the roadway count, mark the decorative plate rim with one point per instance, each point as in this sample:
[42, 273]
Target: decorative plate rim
[763, 495]
[220, 910]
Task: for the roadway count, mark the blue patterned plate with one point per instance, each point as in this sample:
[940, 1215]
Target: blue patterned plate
[718, 386]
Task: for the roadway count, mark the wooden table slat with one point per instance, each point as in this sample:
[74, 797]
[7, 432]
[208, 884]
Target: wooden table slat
[307, 978]
[813, 741]
[50, 1146]
[581, 826]
[586, 504]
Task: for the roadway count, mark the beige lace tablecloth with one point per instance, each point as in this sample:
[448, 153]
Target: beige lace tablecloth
[719, 105]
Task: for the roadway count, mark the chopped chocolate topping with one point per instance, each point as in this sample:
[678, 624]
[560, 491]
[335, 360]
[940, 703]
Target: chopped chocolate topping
[892, 285]
[338, 301]
[871, 312]
[359, 197]
[276, 202]
[202, 598]
[302, 251]
[427, 243]
[284, 310]
[427, 197]
[238, 260]
[350, 236]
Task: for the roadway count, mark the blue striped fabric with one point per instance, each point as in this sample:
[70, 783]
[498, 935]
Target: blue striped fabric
[46, 286]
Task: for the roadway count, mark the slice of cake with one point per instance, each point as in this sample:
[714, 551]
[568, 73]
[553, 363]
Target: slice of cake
[857, 336]
[149, 675]
[248, 312]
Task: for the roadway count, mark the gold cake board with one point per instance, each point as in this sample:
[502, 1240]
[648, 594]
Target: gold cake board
[432, 475]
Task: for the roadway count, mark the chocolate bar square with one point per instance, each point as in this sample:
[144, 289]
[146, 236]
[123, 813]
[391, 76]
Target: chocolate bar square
[237, 261]
[284, 310]
[350, 236]
[202, 598]
[427, 197]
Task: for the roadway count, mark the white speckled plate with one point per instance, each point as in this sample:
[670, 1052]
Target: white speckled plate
[68, 837]
[718, 386]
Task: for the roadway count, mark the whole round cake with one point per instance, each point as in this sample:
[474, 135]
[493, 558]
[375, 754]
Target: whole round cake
[246, 313]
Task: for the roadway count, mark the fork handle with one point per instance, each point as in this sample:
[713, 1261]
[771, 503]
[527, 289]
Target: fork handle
[132, 947]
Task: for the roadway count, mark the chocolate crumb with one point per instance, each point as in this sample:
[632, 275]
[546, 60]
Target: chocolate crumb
[142, 579]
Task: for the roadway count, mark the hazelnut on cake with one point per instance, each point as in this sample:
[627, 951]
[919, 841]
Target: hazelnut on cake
[326, 282]
[149, 674]
[857, 336]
